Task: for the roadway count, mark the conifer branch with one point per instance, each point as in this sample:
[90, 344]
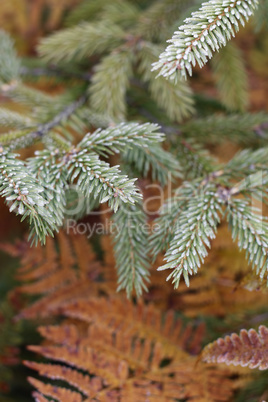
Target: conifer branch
[25, 196]
[121, 13]
[9, 62]
[25, 138]
[195, 227]
[53, 177]
[130, 249]
[9, 118]
[231, 77]
[194, 160]
[244, 128]
[156, 22]
[81, 41]
[250, 229]
[177, 99]
[163, 164]
[206, 31]
[99, 178]
[85, 11]
[31, 97]
[122, 136]
[114, 73]
[165, 225]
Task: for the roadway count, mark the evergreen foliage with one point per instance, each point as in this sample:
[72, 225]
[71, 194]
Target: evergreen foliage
[122, 122]
[206, 31]
[77, 157]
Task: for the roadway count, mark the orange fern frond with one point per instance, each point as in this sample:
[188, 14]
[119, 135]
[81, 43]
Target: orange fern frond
[249, 349]
[82, 382]
[143, 319]
[62, 271]
[126, 352]
[58, 393]
[39, 397]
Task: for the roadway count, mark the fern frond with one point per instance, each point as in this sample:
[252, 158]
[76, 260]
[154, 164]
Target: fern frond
[130, 251]
[39, 397]
[206, 31]
[195, 227]
[177, 99]
[58, 372]
[113, 72]
[122, 346]
[249, 349]
[53, 391]
[81, 41]
[63, 270]
[231, 77]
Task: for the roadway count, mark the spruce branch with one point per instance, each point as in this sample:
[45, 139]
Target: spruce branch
[31, 97]
[206, 31]
[165, 225]
[81, 41]
[197, 224]
[9, 118]
[231, 77]
[9, 62]
[156, 22]
[99, 178]
[162, 164]
[25, 138]
[247, 162]
[195, 161]
[53, 71]
[130, 249]
[52, 175]
[25, 196]
[122, 136]
[110, 83]
[250, 229]
[85, 11]
[122, 13]
[243, 128]
[176, 100]
[261, 16]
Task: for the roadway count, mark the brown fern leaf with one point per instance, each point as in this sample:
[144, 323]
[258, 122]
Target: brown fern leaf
[58, 393]
[62, 271]
[249, 349]
[39, 397]
[126, 352]
[82, 382]
[143, 319]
